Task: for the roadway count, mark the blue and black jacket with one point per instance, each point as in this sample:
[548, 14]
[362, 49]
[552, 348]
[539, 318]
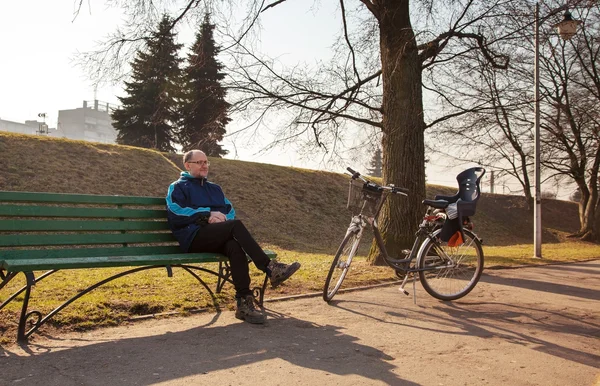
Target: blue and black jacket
[190, 201]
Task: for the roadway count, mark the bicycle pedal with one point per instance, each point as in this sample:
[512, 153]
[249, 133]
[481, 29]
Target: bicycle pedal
[405, 292]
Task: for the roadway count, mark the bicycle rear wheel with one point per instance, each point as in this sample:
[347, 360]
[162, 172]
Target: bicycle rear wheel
[341, 264]
[449, 273]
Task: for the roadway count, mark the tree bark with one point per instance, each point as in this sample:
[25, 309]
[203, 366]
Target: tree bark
[587, 216]
[403, 141]
[588, 212]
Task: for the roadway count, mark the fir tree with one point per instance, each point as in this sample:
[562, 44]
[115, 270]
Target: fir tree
[376, 163]
[204, 109]
[148, 114]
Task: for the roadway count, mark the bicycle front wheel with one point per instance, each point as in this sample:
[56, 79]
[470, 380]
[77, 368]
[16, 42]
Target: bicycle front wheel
[449, 273]
[341, 264]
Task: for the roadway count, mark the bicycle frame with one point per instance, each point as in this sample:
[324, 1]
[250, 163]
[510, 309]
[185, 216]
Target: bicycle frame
[400, 265]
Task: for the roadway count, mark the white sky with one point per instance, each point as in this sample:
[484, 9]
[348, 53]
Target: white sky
[38, 71]
[38, 74]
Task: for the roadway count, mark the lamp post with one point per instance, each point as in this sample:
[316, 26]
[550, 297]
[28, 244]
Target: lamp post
[566, 29]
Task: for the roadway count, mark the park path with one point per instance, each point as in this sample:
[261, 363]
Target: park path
[526, 326]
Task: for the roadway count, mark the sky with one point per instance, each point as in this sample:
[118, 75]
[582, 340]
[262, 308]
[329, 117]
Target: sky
[39, 73]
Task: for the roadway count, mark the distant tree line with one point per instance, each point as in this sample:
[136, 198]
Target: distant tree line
[169, 106]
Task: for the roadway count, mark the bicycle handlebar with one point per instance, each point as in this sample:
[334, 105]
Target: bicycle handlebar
[391, 188]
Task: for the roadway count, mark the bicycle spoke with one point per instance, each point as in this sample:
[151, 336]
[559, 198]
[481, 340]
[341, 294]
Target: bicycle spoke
[451, 272]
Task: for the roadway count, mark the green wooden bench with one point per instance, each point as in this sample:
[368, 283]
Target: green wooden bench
[42, 233]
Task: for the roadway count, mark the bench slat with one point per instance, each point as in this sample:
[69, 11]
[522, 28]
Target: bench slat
[20, 254]
[28, 254]
[78, 198]
[21, 240]
[31, 254]
[80, 225]
[115, 261]
[54, 211]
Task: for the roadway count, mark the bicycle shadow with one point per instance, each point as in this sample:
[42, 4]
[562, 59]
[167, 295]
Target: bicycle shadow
[204, 350]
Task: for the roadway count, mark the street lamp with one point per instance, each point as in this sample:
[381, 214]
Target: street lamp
[566, 29]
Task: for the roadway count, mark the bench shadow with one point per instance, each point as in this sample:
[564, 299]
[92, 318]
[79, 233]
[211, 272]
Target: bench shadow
[203, 350]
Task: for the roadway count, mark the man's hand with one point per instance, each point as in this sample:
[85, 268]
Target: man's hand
[216, 217]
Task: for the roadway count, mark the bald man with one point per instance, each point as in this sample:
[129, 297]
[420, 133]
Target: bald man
[203, 220]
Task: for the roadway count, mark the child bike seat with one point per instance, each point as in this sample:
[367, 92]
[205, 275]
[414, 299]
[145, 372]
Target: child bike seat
[468, 193]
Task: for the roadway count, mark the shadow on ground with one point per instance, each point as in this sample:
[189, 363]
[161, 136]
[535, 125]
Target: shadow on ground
[202, 350]
[551, 279]
[516, 320]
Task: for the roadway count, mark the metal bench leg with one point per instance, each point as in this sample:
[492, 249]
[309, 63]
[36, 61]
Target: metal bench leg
[21, 336]
[223, 277]
[259, 292]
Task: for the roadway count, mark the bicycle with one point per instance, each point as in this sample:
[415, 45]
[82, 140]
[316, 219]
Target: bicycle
[446, 271]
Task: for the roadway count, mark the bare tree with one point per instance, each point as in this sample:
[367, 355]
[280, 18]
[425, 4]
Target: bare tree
[571, 86]
[499, 132]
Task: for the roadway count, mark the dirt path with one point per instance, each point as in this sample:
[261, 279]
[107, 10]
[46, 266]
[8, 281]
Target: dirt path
[527, 326]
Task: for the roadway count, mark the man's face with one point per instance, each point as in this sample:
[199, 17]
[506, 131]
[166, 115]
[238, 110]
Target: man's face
[197, 166]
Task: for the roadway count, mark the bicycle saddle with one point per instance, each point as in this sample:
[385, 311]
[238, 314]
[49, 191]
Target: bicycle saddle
[438, 204]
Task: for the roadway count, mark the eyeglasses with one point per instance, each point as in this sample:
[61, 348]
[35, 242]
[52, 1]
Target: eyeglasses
[200, 163]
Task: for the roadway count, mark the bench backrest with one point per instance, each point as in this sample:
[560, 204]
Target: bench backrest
[36, 225]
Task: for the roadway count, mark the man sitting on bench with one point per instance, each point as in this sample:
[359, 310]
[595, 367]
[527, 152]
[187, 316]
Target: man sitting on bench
[203, 220]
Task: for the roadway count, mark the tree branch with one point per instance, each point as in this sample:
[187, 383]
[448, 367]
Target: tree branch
[272, 5]
[433, 48]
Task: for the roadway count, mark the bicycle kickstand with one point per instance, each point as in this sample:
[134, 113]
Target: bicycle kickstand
[404, 291]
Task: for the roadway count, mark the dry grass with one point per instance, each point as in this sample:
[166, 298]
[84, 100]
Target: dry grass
[299, 213]
[43, 164]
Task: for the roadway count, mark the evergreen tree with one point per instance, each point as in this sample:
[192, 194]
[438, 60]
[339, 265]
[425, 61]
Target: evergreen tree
[376, 163]
[204, 109]
[149, 111]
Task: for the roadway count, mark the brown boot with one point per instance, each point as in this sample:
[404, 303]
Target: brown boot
[281, 272]
[246, 310]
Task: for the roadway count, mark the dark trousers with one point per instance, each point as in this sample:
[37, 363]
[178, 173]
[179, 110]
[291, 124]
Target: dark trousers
[232, 239]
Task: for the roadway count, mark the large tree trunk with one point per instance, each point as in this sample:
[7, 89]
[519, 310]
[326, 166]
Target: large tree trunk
[588, 211]
[403, 128]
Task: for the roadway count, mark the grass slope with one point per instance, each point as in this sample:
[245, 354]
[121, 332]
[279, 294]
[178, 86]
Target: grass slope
[292, 208]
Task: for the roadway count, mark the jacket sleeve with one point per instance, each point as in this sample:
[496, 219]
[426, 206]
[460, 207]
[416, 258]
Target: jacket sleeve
[231, 213]
[179, 214]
